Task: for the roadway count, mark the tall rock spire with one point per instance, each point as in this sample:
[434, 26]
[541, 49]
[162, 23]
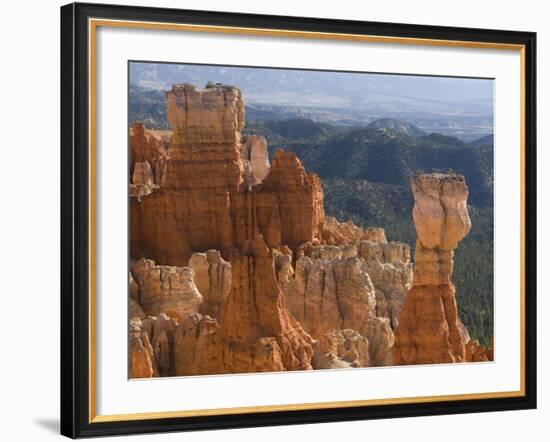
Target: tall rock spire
[429, 330]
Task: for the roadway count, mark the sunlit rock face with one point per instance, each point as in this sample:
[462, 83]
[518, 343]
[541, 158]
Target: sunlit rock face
[429, 330]
[167, 289]
[440, 210]
[391, 272]
[190, 212]
[341, 349]
[327, 294]
[212, 276]
[358, 285]
[255, 158]
[335, 232]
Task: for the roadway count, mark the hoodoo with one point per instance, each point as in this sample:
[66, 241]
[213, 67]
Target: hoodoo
[429, 330]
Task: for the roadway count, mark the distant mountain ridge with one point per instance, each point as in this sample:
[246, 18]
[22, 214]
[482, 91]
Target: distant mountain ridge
[340, 89]
[387, 156]
[149, 106]
[397, 126]
[486, 141]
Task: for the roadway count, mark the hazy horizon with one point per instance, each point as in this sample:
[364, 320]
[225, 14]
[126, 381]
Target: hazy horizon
[461, 107]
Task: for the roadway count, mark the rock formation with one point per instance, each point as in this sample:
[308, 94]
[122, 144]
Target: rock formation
[148, 161]
[219, 193]
[342, 349]
[142, 359]
[212, 276]
[205, 201]
[151, 346]
[259, 332]
[255, 158]
[198, 347]
[235, 268]
[286, 208]
[327, 294]
[358, 285]
[429, 330]
[391, 272]
[335, 232]
[165, 289]
[381, 339]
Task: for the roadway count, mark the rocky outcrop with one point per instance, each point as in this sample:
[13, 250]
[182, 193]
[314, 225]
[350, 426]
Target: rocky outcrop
[255, 332]
[198, 347]
[221, 194]
[381, 339]
[360, 287]
[135, 310]
[255, 158]
[212, 276]
[142, 360]
[429, 330]
[286, 208]
[342, 349]
[475, 352]
[337, 233]
[148, 161]
[258, 331]
[391, 272]
[206, 127]
[210, 198]
[191, 212]
[151, 346]
[165, 289]
[327, 292]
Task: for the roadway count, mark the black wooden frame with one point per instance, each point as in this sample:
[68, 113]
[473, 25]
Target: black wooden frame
[75, 220]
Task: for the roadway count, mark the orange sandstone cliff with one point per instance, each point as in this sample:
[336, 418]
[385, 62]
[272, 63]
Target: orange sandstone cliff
[205, 199]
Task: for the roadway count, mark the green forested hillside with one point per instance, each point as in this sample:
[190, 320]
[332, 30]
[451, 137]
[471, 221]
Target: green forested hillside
[148, 106]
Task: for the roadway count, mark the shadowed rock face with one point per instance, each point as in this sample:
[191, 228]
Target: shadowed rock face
[429, 330]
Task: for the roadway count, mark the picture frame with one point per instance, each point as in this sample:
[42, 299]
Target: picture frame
[79, 238]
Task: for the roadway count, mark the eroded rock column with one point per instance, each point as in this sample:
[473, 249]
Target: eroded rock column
[429, 330]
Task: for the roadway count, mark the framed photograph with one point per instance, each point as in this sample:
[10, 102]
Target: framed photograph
[274, 220]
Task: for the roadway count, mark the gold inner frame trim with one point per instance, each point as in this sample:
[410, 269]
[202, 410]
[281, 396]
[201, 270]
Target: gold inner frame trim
[93, 24]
